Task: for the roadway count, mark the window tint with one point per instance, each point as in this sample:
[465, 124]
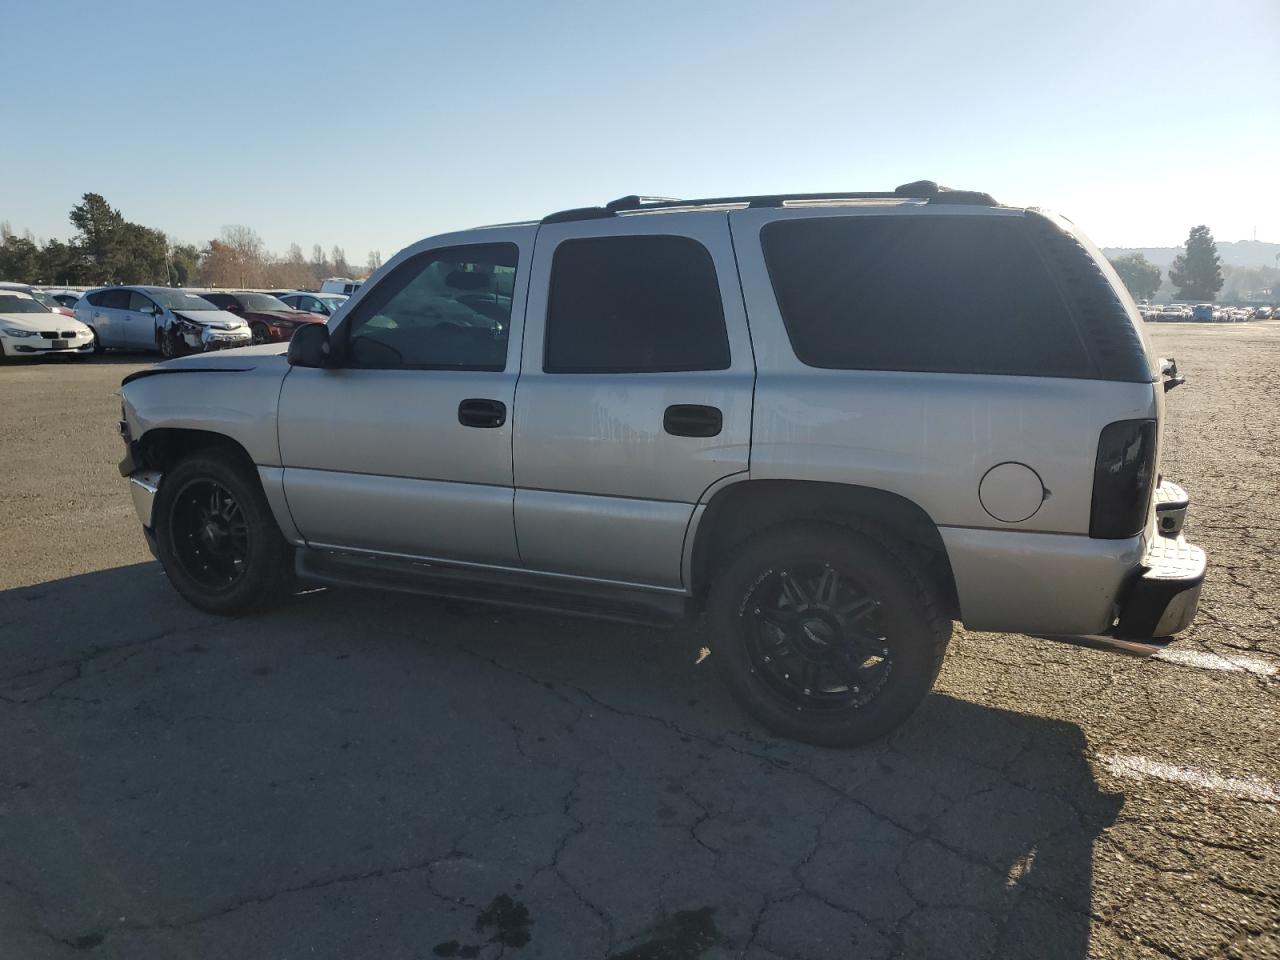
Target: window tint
[634, 305]
[444, 309]
[138, 301]
[951, 294]
[114, 299]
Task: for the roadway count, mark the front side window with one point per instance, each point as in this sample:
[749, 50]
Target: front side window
[642, 304]
[939, 294]
[138, 303]
[440, 310]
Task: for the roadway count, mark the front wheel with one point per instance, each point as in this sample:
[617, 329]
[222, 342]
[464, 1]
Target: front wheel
[217, 539]
[260, 333]
[824, 634]
[168, 344]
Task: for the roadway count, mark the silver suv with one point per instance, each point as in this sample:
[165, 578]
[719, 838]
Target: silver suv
[831, 423]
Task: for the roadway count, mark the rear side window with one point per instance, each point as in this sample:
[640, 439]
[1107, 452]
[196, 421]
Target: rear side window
[634, 305]
[941, 294]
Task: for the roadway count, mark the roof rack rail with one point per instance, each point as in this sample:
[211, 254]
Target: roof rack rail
[926, 190]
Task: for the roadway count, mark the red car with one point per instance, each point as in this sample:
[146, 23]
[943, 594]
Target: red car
[270, 320]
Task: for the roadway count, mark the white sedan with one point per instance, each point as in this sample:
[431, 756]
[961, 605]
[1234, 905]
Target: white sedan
[28, 328]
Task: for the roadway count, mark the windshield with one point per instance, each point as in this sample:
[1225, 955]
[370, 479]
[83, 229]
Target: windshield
[261, 301]
[333, 303]
[178, 300]
[12, 303]
[45, 299]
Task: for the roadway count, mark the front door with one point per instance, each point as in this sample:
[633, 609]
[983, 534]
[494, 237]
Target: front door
[635, 395]
[405, 448]
[141, 322]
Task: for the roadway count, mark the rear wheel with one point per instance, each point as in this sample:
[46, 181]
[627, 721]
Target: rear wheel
[825, 634]
[217, 539]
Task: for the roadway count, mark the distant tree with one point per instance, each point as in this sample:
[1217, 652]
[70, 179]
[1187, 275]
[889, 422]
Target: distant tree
[20, 259]
[99, 234]
[1139, 274]
[141, 255]
[1197, 273]
[236, 259]
[375, 260]
[340, 266]
[184, 259]
[65, 263]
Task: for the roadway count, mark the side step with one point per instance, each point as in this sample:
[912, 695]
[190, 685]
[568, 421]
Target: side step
[495, 587]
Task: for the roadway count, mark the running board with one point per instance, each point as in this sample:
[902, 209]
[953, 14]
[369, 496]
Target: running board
[1102, 641]
[333, 568]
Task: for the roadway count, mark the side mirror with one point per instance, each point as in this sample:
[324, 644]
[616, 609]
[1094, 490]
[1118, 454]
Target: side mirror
[310, 346]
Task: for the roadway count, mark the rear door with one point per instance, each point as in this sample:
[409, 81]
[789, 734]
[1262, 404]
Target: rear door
[635, 393]
[107, 314]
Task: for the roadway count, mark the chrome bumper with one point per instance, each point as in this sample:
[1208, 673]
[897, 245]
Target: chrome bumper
[143, 486]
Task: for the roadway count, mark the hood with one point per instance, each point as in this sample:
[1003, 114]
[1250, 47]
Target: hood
[211, 318]
[40, 321]
[288, 316]
[267, 356]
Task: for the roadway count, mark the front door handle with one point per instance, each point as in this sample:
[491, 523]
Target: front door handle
[482, 413]
[692, 420]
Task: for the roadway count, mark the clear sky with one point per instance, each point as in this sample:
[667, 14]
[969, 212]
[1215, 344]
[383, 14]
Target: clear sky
[372, 125]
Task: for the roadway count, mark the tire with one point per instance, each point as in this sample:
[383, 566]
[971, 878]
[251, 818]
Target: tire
[202, 566]
[98, 348]
[825, 634]
[260, 333]
[171, 346]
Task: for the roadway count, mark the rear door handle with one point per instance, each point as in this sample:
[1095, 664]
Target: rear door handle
[692, 420]
[482, 413]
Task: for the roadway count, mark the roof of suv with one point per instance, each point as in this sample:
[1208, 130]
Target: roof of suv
[924, 190]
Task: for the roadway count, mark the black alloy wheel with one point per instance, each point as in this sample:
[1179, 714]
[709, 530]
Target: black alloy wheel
[210, 534]
[817, 638]
[829, 633]
[216, 536]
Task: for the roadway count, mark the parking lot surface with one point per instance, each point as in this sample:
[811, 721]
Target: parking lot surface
[368, 775]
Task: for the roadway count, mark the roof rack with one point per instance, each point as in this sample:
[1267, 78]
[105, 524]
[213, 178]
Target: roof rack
[925, 190]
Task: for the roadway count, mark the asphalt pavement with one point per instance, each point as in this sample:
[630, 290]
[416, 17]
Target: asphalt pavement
[364, 775]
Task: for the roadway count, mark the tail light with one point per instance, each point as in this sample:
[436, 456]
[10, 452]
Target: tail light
[1123, 477]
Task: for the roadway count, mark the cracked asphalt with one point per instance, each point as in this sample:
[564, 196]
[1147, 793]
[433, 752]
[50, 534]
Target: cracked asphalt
[365, 775]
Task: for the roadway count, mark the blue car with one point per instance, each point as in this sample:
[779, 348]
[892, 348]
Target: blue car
[1202, 312]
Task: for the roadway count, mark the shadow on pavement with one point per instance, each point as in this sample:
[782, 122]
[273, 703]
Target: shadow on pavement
[376, 775]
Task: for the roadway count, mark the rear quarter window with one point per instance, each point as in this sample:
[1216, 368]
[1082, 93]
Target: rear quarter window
[940, 294]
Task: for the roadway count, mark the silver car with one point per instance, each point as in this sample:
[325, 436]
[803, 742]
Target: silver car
[170, 321]
[833, 424]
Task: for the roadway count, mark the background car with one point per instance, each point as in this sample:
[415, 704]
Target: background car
[270, 319]
[325, 304]
[29, 328]
[340, 285]
[1170, 313]
[171, 321]
[1262, 313]
[1202, 312]
[66, 298]
[38, 295]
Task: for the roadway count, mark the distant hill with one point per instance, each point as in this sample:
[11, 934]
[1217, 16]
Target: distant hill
[1238, 253]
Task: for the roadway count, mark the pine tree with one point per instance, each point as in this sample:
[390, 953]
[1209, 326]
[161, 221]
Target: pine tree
[1197, 273]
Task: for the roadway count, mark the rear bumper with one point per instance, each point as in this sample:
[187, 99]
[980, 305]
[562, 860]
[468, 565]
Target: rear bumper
[1131, 595]
[1164, 599]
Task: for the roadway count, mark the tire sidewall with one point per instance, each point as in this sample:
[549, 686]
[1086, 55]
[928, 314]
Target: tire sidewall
[267, 549]
[909, 616]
